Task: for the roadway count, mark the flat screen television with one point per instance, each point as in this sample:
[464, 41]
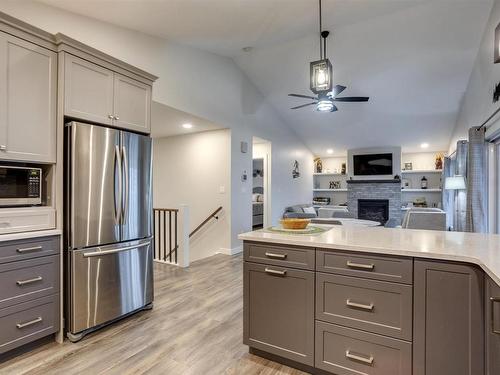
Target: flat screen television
[372, 164]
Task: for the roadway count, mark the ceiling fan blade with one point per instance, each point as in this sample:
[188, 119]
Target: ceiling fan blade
[303, 96]
[352, 99]
[304, 105]
[338, 89]
[334, 108]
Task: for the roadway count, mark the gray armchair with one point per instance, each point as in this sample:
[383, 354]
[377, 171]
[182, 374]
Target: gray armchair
[297, 212]
[425, 218]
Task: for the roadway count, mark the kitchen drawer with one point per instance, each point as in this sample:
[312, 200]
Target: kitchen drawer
[385, 268]
[286, 256]
[17, 220]
[28, 279]
[346, 351]
[29, 321]
[30, 248]
[374, 306]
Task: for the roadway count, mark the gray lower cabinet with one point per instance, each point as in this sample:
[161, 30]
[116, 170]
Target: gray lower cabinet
[492, 320]
[448, 319]
[29, 293]
[346, 351]
[279, 311]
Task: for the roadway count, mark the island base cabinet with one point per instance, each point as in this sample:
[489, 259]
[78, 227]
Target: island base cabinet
[346, 351]
[492, 309]
[279, 311]
[448, 319]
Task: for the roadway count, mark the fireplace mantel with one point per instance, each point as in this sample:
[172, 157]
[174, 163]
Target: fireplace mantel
[386, 181]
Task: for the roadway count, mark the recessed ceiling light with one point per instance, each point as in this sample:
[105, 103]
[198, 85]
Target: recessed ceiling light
[329, 151]
[187, 126]
[424, 145]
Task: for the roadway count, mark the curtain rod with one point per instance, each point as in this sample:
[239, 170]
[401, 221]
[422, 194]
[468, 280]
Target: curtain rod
[489, 118]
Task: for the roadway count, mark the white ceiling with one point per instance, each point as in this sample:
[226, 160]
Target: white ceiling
[412, 57]
[167, 122]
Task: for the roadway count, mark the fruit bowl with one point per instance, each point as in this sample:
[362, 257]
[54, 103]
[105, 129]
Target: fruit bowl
[294, 223]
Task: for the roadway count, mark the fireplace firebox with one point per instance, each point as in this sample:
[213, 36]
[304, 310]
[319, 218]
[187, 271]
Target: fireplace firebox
[374, 209]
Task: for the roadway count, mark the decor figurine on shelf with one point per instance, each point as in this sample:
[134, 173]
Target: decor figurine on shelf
[439, 160]
[334, 184]
[423, 183]
[318, 165]
[408, 167]
[344, 169]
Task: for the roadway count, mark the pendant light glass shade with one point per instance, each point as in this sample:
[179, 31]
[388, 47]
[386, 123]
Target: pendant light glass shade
[321, 76]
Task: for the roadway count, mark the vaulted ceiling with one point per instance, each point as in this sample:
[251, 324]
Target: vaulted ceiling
[412, 57]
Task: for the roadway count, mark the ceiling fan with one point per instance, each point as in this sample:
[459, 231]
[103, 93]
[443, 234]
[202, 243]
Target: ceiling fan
[321, 75]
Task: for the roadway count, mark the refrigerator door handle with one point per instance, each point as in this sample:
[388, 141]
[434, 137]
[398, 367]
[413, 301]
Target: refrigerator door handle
[126, 183]
[114, 251]
[118, 205]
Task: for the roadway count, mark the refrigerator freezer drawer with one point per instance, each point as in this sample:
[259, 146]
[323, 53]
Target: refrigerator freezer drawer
[108, 282]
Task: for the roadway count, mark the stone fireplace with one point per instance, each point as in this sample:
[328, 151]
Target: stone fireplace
[373, 209]
[378, 200]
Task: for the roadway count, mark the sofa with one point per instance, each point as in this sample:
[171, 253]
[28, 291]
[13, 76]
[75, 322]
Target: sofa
[299, 212]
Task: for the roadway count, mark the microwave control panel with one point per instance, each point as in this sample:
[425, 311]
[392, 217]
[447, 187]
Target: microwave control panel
[34, 183]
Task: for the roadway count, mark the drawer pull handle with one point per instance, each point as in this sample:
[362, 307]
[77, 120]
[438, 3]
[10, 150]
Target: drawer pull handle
[494, 300]
[275, 272]
[361, 266]
[29, 281]
[29, 249]
[360, 305]
[30, 323]
[360, 358]
[277, 256]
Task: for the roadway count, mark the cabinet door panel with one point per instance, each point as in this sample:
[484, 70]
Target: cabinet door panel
[279, 311]
[88, 91]
[28, 101]
[448, 319]
[492, 309]
[132, 104]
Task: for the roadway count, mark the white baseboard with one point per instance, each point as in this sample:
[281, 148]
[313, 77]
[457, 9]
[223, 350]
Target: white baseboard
[233, 251]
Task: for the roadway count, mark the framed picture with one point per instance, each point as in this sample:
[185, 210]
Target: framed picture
[408, 166]
[496, 48]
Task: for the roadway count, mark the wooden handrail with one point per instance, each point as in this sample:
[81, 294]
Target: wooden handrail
[212, 215]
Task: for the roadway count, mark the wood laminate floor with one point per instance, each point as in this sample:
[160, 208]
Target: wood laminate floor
[195, 328]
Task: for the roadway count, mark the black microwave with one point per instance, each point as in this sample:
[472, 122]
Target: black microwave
[20, 186]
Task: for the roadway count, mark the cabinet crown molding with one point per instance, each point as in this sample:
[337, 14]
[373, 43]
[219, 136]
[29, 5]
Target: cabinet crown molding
[30, 33]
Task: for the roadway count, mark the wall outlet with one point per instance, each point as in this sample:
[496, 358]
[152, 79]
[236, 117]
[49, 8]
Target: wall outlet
[222, 189]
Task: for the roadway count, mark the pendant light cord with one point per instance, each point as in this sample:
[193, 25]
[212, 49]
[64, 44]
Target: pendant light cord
[320, 37]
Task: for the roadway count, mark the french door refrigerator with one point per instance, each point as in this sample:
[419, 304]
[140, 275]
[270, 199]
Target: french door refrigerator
[109, 255]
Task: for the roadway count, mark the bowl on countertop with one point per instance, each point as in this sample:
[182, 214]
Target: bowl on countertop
[294, 223]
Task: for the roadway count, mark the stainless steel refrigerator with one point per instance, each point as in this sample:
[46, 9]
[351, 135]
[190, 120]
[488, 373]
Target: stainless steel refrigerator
[108, 208]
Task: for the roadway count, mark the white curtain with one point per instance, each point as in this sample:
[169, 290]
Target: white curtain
[448, 195]
[461, 195]
[477, 182]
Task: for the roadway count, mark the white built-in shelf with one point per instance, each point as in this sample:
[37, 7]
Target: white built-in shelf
[330, 174]
[422, 171]
[421, 190]
[332, 190]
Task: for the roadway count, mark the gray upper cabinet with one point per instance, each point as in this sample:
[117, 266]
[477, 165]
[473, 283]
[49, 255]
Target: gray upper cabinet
[88, 91]
[132, 104]
[448, 319]
[28, 84]
[97, 94]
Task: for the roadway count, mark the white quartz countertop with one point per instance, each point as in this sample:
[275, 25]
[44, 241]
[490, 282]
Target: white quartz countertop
[27, 235]
[480, 249]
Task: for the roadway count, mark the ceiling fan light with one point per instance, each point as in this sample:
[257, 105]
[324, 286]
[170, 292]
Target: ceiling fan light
[324, 106]
[321, 76]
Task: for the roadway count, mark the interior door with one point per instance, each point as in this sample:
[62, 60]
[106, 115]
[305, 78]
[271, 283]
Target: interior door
[137, 196]
[95, 176]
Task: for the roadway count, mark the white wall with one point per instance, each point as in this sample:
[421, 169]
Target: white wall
[191, 169]
[201, 83]
[477, 103]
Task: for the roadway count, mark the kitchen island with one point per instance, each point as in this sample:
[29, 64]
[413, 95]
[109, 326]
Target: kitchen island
[374, 301]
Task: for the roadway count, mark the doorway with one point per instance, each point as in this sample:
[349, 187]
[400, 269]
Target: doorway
[261, 183]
